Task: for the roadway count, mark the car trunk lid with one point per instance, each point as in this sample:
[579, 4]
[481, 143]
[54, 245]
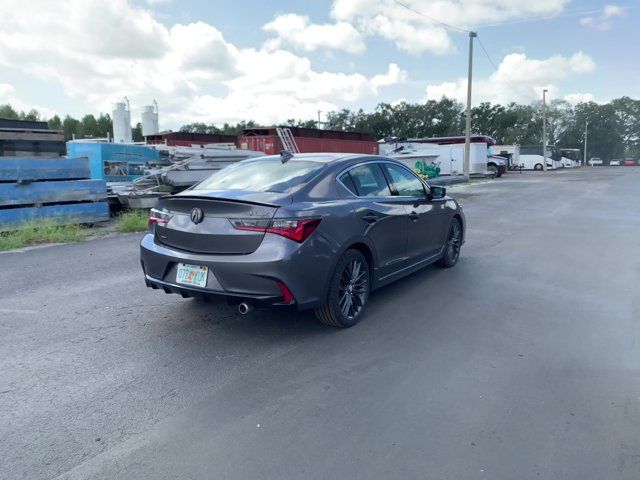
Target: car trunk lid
[203, 223]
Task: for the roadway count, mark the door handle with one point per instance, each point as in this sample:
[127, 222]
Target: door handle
[370, 218]
[414, 216]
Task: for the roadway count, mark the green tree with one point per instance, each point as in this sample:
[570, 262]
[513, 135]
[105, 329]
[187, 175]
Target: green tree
[104, 125]
[136, 133]
[55, 123]
[88, 127]
[71, 127]
[32, 115]
[7, 111]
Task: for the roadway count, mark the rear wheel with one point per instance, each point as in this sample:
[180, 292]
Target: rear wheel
[452, 246]
[348, 291]
[538, 166]
[493, 170]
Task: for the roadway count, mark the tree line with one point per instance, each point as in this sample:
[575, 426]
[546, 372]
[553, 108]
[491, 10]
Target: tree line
[614, 127]
[89, 126]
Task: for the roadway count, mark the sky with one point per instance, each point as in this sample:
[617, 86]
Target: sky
[218, 61]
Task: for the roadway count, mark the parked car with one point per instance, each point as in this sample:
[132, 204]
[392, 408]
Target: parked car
[308, 231]
[615, 163]
[595, 161]
[630, 162]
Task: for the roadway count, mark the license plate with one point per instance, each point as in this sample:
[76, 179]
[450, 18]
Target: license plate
[193, 275]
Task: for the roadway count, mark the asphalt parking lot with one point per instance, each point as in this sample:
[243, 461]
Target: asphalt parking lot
[521, 362]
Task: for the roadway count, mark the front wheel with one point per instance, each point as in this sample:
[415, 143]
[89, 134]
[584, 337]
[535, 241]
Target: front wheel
[348, 291]
[452, 246]
[538, 166]
[493, 170]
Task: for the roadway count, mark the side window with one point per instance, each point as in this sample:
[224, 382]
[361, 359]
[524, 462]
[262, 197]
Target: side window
[347, 181]
[369, 180]
[405, 183]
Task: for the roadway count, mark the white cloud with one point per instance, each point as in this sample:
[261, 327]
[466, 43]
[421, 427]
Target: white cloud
[581, 63]
[415, 33]
[604, 21]
[193, 72]
[296, 31]
[518, 79]
[575, 98]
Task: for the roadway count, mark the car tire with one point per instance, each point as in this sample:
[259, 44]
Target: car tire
[348, 291]
[452, 246]
[493, 170]
[537, 166]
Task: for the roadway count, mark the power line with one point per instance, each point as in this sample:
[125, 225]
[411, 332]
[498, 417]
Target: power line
[435, 20]
[531, 97]
[567, 13]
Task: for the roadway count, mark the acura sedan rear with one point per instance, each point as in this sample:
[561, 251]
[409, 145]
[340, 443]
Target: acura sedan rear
[311, 231]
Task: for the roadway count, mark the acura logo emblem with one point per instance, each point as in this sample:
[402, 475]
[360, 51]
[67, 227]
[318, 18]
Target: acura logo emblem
[196, 215]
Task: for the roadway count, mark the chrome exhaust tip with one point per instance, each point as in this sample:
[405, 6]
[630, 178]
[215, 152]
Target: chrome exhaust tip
[243, 308]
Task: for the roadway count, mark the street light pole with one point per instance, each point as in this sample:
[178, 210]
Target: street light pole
[544, 129]
[586, 133]
[319, 123]
[467, 138]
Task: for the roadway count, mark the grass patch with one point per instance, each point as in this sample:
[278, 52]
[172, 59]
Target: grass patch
[36, 232]
[133, 221]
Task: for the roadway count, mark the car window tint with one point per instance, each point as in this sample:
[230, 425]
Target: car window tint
[406, 184]
[347, 181]
[370, 181]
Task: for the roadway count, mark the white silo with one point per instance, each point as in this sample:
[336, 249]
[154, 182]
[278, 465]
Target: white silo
[122, 122]
[150, 119]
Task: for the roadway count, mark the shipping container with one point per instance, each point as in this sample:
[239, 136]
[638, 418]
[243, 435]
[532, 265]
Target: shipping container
[308, 140]
[187, 139]
[114, 162]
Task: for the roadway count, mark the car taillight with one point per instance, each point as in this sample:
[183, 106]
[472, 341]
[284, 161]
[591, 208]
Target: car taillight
[158, 216]
[296, 229]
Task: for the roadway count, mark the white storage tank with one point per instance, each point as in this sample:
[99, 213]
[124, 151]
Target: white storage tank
[150, 119]
[122, 122]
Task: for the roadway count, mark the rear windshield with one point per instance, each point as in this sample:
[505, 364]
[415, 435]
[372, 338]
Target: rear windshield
[266, 175]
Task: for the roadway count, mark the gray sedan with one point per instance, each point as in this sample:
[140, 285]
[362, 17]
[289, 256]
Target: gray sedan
[305, 231]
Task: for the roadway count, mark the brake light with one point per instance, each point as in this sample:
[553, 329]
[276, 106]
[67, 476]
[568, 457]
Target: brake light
[158, 216]
[297, 230]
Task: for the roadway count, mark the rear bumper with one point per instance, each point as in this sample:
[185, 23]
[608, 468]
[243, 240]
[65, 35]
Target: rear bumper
[257, 301]
[251, 278]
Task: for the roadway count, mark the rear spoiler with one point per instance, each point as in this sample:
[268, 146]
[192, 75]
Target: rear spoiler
[222, 199]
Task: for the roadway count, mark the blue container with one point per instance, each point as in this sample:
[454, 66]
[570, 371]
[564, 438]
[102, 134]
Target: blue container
[113, 162]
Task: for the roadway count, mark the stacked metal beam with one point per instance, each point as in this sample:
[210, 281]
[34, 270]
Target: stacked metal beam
[59, 189]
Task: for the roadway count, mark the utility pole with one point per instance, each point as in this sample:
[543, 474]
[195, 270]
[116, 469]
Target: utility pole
[544, 129]
[319, 123]
[467, 138]
[586, 132]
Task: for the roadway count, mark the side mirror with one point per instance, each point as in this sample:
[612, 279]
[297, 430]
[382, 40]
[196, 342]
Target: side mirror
[436, 192]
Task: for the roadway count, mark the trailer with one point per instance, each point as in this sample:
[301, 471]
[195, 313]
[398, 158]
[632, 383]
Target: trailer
[447, 153]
